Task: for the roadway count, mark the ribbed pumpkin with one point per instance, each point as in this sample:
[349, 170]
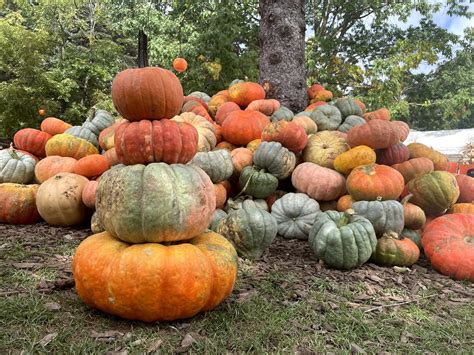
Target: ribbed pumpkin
[257, 182]
[250, 229]
[53, 165]
[163, 140]
[32, 140]
[217, 164]
[107, 135]
[206, 132]
[323, 148]
[217, 100]
[320, 183]
[198, 109]
[395, 250]
[84, 133]
[380, 114]
[266, 106]
[368, 182]
[342, 240]
[414, 236]
[129, 280]
[253, 145]
[376, 134]
[59, 200]
[16, 167]
[224, 110]
[361, 105]
[466, 188]
[327, 117]
[241, 127]
[66, 145]
[312, 106]
[18, 204]
[309, 126]
[111, 156]
[275, 158]
[241, 202]
[348, 107]
[434, 192]
[418, 150]
[216, 218]
[403, 129]
[350, 122]
[91, 165]
[414, 167]
[53, 126]
[283, 113]
[360, 155]
[295, 214]
[462, 208]
[414, 216]
[448, 242]
[344, 203]
[314, 89]
[385, 216]
[200, 95]
[395, 154]
[155, 203]
[241, 157]
[99, 121]
[244, 93]
[89, 194]
[289, 134]
[149, 93]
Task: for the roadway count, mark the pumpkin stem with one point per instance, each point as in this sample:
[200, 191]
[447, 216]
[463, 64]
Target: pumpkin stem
[346, 217]
[393, 235]
[142, 49]
[13, 153]
[406, 199]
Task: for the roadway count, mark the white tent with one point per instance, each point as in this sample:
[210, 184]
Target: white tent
[449, 142]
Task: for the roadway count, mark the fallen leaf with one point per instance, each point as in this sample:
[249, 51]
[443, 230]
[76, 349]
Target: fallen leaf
[52, 306]
[107, 335]
[401, 270]
[356, 349]
[246, 296]
[187, 341]
[26, 265]
[154, 346]
[48, 339]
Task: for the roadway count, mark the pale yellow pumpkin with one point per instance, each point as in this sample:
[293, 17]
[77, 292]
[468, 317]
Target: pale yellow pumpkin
[323, 147]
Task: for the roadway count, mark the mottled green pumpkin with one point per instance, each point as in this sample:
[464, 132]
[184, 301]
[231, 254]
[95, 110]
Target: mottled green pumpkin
[275, 158]
[349, 122]
[16, 167]
[84, 133]
[283, 113]
[342, 240]
[216, 218]
[250, 229]
[155, 203]
[394, 250]
[385, 216]
[240, 202]
[434, 192]
[257, 182]
[217, 164]
[326, 117]
[100, 121]
[414, 236]
[348, 107]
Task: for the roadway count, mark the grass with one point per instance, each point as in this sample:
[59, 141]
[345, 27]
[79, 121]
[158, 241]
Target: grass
[279, 314]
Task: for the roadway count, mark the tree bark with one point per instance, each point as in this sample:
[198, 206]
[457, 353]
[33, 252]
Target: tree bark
[142, 49]
[282, 47]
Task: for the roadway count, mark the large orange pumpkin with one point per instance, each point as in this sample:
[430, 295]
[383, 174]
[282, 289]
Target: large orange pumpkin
[147, 94]
[18, 204]
[53, 165]
[241, 127]
[155, 282]
[53, 126]
[246, 92]
[372, 181]
[448, 242]
[224, 110]
[289, 134]
[32, 140]
[163, 140]
[376, 134]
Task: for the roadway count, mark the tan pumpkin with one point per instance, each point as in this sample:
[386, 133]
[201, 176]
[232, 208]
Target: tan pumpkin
[323, 148]
[53, 165]
[207, 139]
[360, 155]
[418, 150]
[462, 208]
[307, 123]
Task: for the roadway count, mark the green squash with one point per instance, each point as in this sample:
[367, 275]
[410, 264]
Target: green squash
[350, 122]
[250, 229]
[348, 107]
[342, 240]
[155, 203]
[394, 250]
[283, 113]
[16, 167]
[217, 164]
[327, 117]
[295, 214]
[385, 216]
[275, 158]
[257, 182]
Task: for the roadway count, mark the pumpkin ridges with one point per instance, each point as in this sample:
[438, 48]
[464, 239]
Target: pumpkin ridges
[18, 203]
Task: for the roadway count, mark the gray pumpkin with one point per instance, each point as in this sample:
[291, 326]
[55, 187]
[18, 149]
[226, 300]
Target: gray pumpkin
[240, 202]
[257, 182]
[348, 107]
[216, 217]
[414, 235]
[295, 214]
[201, 95]
[217, 164]
[275, 158]
[84, 133]
[250, 229]
[101, 120]
[385, 216]
[16, 167]
[327, 117]
[283, 113]
[342, 240]
[351, 121]
[236, 81]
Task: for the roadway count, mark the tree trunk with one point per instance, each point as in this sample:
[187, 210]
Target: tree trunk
[282, 46]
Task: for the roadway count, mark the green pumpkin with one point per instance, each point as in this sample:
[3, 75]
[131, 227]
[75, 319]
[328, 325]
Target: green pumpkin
[348, 107]
[155, 203]
[100, 121]
[240, 202]
[16, 167]
[327, 117]
[295, 214]
[394, 250]
[250, 229]
[84, 133]
[216, 217]
[283, 113]
[201, 95]
[342, 240]
[217, 164]
[257, 182]
[414, 236]
[275, 158]
[350, 122]
[434, 192]
[385, 216]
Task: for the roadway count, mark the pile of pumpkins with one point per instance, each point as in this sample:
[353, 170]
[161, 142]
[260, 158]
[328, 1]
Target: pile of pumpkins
[185, 183]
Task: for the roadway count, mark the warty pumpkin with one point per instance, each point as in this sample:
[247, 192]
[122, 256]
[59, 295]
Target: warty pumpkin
[360, 155]
[18, 203]
[129, 280]
[323, 148]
